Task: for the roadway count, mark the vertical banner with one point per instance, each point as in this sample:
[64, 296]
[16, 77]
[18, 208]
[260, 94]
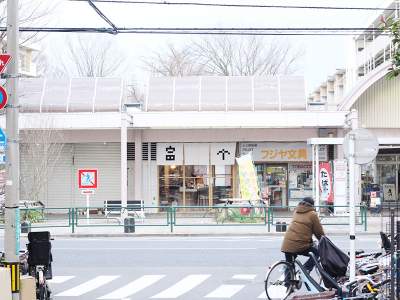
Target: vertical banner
[247, 178]
[326, 183]
[340, 188]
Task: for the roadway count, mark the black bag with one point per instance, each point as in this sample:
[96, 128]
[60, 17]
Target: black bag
[333, 260]
[39, 253]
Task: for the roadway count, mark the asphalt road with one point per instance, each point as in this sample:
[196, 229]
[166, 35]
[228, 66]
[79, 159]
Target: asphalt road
[191, 268]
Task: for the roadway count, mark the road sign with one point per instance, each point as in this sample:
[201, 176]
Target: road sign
[87, 178]
[366, 146]
[4, 60]
[3, 97]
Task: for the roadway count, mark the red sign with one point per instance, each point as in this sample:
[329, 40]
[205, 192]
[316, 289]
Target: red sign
[3, 97]
[4, 60]
[87, 178]
[326, 182]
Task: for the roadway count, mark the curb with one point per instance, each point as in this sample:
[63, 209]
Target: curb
[131, 235]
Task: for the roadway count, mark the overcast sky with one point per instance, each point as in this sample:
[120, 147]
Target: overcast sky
[322, 54]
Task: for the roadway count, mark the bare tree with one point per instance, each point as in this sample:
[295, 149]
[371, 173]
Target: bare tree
[225, 56]
[172, 62]
[41, 150]
[31, 12]
[86, 56]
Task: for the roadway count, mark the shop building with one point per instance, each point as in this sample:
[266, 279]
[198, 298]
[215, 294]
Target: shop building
[180, 146]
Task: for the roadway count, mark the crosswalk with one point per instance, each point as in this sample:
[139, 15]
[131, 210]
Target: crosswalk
[179, 287]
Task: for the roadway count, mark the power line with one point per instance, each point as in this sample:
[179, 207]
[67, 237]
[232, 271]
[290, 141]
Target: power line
[241, 5]
[103, 16]
[208, 31]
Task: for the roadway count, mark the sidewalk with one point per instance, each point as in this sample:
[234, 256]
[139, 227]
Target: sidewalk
[199, 227]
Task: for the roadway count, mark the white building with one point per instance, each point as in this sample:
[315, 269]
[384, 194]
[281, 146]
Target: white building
[180, 147]
[365, 87]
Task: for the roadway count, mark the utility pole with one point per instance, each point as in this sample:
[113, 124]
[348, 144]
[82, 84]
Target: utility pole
[12, 220]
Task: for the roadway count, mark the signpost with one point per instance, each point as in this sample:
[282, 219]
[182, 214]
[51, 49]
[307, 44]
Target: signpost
[360, 147]
[87, 182]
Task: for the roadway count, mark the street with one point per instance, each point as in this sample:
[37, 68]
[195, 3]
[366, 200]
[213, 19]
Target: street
[168, 267]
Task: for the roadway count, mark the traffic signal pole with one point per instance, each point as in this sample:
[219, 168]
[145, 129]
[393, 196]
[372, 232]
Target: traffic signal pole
[12, 222]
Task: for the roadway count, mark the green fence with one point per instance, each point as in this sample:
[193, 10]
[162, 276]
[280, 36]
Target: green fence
[175, 216]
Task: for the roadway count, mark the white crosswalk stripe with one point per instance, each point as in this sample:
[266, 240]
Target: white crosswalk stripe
[244, 276]
[60, 279]
[87, 287]
[225, 291]
[182, 287]
[133, 287]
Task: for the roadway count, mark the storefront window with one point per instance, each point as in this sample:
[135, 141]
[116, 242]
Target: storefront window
[300, 182]
[273, 183]
[196, 185]
[222, 187]
[171, 185]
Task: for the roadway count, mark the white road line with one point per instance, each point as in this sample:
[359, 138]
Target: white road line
[87, 287]
[225, 291]
[60, 279]
[133, 287]
[183, 286]
[244, 276]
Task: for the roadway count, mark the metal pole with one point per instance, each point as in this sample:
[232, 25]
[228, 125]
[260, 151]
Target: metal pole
[392, 256]
[87, 208]
[317, 198]
[12, 226]
[352, 208]
[124, 166]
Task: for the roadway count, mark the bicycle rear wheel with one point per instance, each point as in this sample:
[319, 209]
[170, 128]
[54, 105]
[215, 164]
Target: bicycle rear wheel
[279, 283]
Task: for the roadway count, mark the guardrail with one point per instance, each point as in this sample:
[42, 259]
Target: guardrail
[177, 216]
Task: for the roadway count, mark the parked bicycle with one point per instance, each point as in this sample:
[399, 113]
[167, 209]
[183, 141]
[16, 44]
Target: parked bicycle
[39, 261]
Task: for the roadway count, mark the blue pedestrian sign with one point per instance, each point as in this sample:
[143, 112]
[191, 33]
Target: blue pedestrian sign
[3, 145]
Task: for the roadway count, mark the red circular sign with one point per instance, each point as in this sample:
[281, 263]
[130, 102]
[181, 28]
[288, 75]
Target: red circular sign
[3, 97]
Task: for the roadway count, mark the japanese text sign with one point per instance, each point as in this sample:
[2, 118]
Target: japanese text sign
[170, 153]
[325, 182]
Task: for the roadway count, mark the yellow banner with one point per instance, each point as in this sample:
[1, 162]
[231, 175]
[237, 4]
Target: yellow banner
[247, 178]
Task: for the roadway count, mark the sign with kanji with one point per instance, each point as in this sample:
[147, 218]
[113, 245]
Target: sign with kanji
[3, 145]
[223, 154]
[325, 182]
[4, 60]
[169, 153]
[87, 178]
[3, 97]
[281, 152]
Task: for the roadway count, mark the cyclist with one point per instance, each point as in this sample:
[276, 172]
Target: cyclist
[298, 238]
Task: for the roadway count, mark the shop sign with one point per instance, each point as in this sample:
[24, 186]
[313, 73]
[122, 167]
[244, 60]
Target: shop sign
[169, 153]
[340, 188]
[223, 154]
[281, 152]
[326, 182]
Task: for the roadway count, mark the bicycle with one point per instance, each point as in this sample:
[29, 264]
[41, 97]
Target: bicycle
[39, 261]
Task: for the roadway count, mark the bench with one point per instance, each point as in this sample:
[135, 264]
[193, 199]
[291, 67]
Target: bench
[134, 207]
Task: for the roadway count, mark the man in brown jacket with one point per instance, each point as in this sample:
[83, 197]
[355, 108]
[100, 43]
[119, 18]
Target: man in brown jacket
[298, 238]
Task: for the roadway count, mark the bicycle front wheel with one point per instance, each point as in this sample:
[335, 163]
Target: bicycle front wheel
[279, 283]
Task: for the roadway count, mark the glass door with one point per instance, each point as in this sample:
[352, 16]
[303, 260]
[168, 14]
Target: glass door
[275, 182]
